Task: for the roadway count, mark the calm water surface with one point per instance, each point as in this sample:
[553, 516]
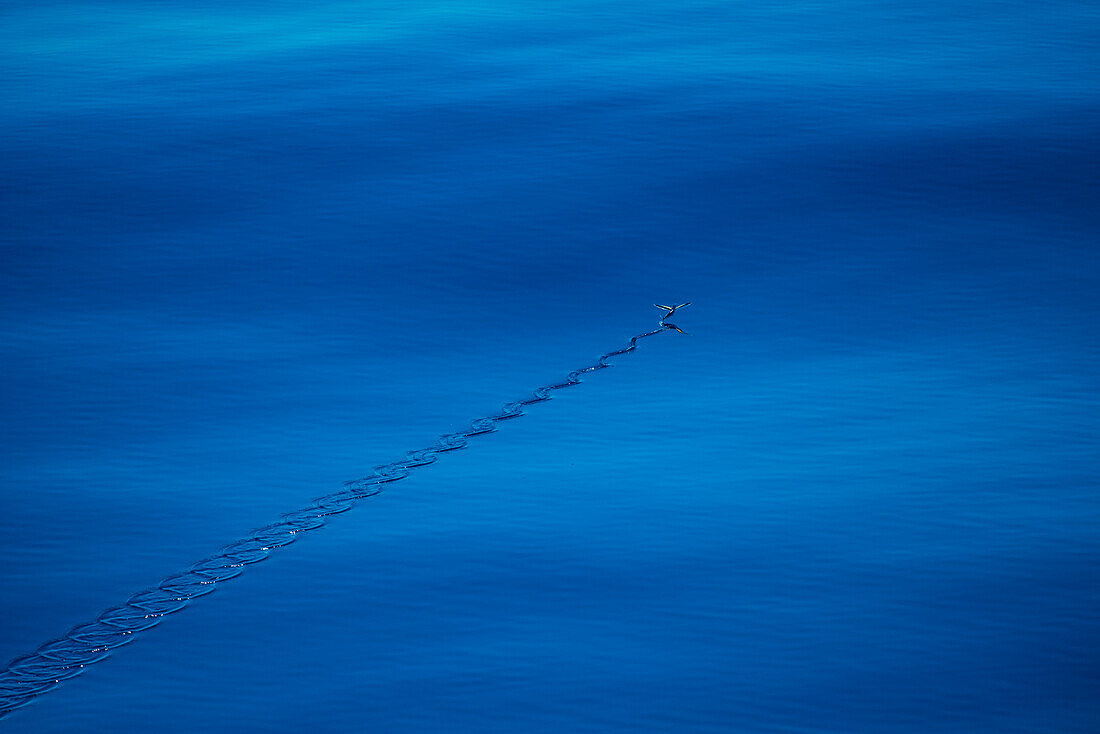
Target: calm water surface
[253, 250]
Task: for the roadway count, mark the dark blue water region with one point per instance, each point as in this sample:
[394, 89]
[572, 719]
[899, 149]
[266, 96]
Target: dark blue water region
[253, 250]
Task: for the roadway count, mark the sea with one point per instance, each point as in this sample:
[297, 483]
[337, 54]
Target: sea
[253, 250]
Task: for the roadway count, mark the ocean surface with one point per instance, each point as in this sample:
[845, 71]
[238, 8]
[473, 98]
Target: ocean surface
[252, 250]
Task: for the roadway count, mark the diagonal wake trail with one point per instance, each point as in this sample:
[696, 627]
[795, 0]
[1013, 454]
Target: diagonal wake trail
[41, 671]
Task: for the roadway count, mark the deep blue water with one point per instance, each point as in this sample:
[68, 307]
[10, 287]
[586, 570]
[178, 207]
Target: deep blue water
[252, 250]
